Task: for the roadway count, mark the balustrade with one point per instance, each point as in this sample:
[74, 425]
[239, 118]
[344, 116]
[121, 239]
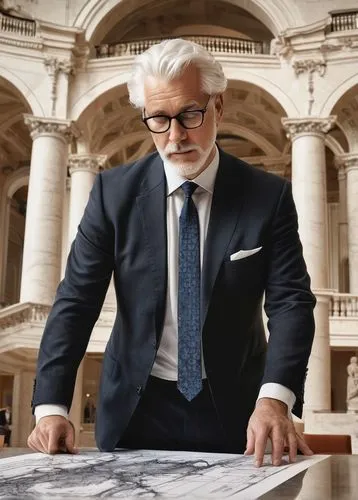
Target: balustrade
[225, 45]
[342, 21]
[343, 305]
[17, 25]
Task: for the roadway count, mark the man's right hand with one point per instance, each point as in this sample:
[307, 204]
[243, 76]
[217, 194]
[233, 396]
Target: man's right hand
[53, 434]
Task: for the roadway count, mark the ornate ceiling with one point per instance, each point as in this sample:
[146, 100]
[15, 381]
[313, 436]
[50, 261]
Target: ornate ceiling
[251, 126]
[15, 141]
[173, 18]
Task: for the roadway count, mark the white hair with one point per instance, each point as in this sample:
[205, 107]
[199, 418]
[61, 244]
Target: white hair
[168, 60]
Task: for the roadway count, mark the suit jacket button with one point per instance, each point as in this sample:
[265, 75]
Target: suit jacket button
[139, 389]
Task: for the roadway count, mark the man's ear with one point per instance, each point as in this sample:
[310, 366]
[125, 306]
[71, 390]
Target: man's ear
[219, 107]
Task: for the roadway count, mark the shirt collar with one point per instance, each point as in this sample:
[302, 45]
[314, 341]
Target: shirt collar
[205, 179]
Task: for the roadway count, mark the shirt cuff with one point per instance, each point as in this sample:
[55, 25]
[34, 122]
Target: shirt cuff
[280, 392]
[47, 410]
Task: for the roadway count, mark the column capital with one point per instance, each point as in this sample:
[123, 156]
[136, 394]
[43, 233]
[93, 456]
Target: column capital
[86, 163]
[346, 162]
[307, 125]
[42, 126]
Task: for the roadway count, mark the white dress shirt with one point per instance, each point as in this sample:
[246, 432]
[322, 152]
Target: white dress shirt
[166, 362]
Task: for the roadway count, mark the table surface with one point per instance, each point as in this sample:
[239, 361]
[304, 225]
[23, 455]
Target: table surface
[334, 478]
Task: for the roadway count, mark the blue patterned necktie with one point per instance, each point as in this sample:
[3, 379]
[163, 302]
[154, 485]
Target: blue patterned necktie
[189, 338]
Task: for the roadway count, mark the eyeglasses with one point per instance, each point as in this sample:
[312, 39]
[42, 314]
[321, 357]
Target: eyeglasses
[158, 124]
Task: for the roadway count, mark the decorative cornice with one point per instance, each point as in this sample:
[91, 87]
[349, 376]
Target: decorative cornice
[23, 313]
[346, 162]
[7, 39]
[86, 163]
[317, 38]
[66, 129]
[339, 41]
[296, 127]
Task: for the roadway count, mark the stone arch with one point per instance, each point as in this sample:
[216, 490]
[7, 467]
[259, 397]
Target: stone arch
[268, 148]
[91, 94]
[25, 91]
[15, 181]
[240, 75]
[333, 145]
[336, 95]
[124, 141]
[97, 15]
[121, 78]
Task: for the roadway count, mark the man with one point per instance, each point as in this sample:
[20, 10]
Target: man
[5, 421]
[187, 365]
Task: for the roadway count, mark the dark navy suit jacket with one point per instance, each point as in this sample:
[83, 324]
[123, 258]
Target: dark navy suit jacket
[123, 231]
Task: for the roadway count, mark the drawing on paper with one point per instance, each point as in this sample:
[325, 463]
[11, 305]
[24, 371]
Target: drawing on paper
[132, 474]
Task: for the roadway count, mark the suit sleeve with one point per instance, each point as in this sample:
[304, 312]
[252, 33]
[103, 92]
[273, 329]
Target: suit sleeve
[289, 303]
[77, 305]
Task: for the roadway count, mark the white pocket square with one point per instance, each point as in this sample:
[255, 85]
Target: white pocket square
[241, 254]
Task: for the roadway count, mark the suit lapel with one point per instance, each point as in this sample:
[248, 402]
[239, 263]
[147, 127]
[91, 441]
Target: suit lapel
[152, 206]
[224, 216]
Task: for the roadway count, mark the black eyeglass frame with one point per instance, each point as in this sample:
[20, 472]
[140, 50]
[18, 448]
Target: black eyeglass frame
[177, 117]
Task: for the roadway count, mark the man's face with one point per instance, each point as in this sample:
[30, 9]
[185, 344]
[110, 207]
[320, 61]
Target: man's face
[189, 150]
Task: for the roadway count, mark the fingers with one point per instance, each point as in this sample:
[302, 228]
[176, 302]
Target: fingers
[70, 439]
[278, 444]
[268, 425]
[261, 438]
[250, 444]
[292, 446]
[55, 442]
[53, 434]
[303, 446]
[37, 442]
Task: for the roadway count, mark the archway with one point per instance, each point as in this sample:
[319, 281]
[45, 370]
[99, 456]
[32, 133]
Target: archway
[98, 17]
[15, 154]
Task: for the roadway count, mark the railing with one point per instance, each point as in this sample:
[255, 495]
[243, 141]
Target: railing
[343, 305]
[225, 45]
[342, 21]
[23, 313]
[17, 25]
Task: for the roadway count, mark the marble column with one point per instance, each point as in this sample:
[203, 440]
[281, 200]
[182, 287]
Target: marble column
[350, 162]
[41, 270]
[22, 418]
[343, 225]
[83, 169]
[310, 195]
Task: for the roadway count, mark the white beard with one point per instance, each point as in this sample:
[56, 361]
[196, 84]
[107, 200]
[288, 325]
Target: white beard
[188, 168]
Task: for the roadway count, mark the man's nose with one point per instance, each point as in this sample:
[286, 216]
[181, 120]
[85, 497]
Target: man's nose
[177, 132]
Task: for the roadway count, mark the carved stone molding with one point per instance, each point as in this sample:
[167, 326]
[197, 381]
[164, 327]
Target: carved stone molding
[54, 67]
[66, 129]
[340, 44]
[23, 313]
[86, 163]
[296, 127]
[346, 162]
[310, 66]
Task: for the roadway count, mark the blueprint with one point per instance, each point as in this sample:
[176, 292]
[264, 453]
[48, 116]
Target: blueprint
[142, 474]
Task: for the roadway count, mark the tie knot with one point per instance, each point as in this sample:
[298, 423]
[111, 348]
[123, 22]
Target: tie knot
[189, 188]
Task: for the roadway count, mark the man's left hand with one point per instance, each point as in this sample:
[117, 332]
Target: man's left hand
[270, 421]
